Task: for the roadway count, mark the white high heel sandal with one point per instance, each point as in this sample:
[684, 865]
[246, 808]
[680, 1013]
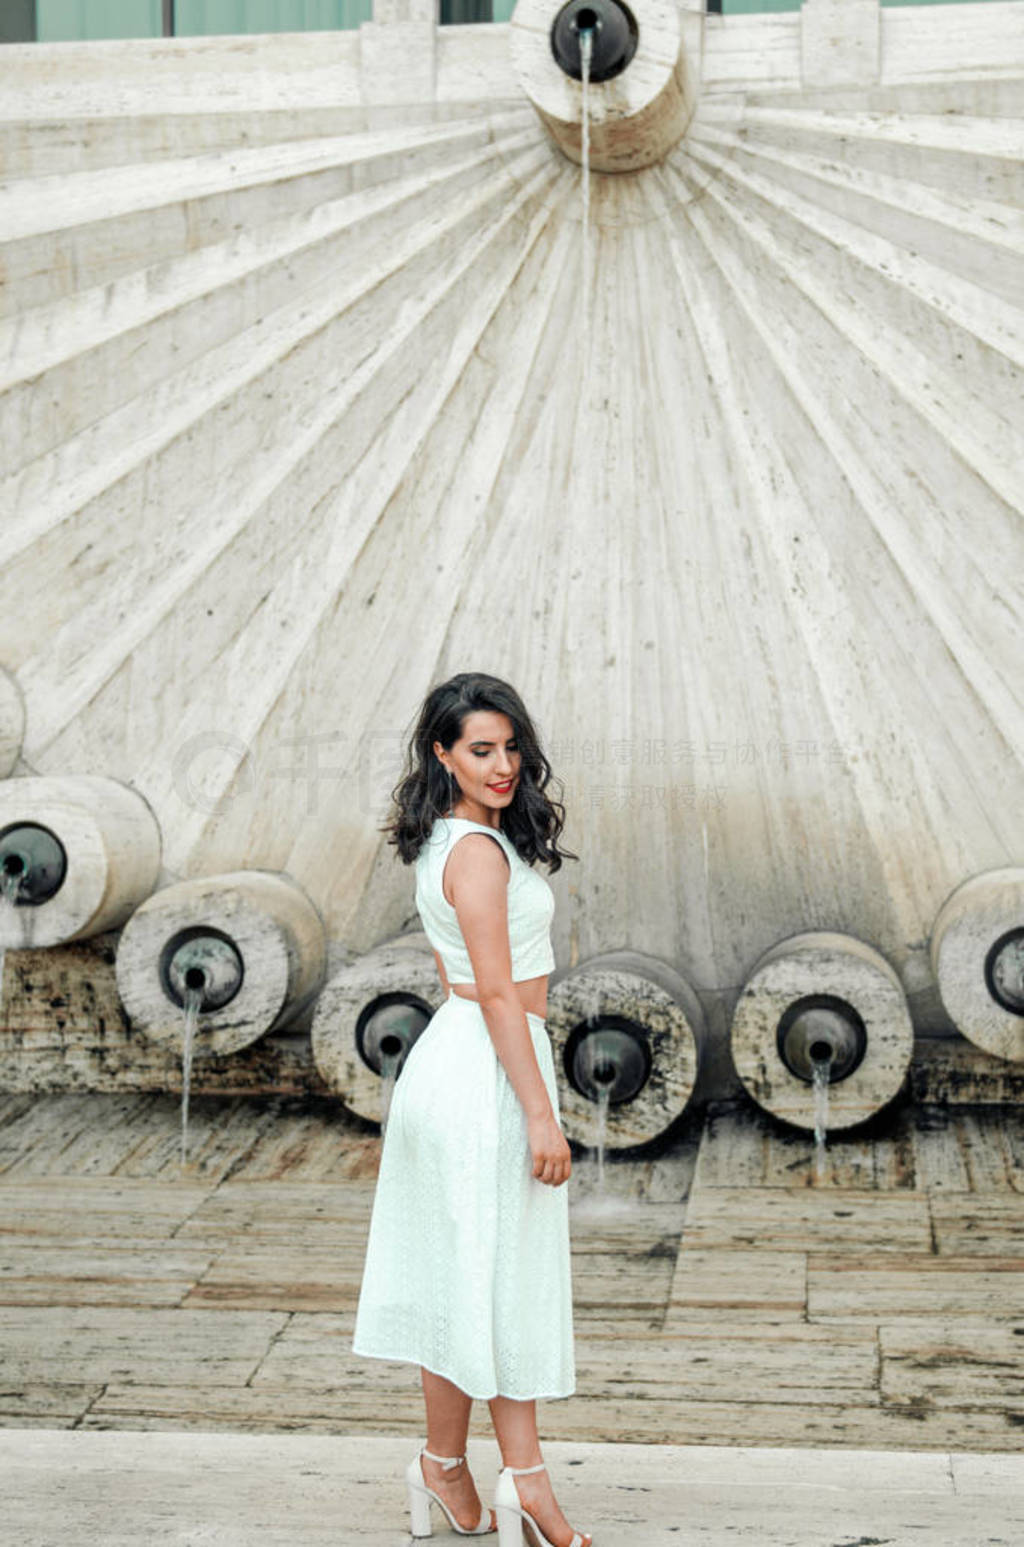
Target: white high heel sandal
[512, 1516]
[420, 1496]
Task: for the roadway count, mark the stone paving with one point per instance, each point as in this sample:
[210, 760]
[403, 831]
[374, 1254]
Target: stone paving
[120, 1489]
[175, 1339]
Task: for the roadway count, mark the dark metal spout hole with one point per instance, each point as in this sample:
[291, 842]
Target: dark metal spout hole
[613, 33]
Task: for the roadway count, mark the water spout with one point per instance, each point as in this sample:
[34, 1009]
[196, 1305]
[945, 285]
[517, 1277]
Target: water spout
[608, 1060]
[632, 123]
[600, 1073]
[201, 970]
[586, 53]
[608, 30]
[821, 1055]
[784, 991]
[392, 1056]
[387, 1028]
[193, 1002]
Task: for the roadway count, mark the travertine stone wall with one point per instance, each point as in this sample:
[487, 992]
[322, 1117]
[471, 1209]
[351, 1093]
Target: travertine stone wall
[840, 42]
[299, 415]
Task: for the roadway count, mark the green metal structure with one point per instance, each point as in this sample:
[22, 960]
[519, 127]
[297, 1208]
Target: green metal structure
[55, 21]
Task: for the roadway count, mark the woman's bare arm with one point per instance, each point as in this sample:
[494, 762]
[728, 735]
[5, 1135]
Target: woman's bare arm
[477, 873]
[479, 883]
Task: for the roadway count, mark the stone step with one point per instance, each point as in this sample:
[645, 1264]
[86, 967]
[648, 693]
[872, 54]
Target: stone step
[228, 1301]
[808, 1218]
[986, 1291]
[952, 1155]
[945, 1364]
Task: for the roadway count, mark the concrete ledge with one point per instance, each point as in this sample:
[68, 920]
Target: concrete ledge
[250, 72]
[120, 1487]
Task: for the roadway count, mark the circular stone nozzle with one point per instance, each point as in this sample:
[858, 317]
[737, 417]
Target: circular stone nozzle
[371, 1012]
[977, 955]
[644, 85]
[623, 1026]
[1004, 971]
[783, 1023]
[203, 959]
[33, 863]
[387, 1028]
[251, 941]
[80, 850]
[608, 1058]
[823, 1029]
[613, 30]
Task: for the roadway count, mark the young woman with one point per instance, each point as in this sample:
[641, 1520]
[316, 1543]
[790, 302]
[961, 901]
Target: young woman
[467, 1263]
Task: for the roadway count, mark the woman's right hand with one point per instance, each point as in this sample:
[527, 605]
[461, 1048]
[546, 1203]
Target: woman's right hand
[552, 1161]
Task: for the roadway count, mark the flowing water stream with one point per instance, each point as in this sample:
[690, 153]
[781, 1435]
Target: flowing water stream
[586, 51]
[389, 1063]
[193, 1000]
[820, 1068]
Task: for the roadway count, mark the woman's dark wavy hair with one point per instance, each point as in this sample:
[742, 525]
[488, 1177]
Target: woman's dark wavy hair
[532, 821]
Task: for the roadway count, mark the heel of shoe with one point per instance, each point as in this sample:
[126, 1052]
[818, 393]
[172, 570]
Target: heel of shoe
[419, 1509]
[510, 1525]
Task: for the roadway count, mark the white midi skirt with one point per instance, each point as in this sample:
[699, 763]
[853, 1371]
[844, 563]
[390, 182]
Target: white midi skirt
[467, 1261]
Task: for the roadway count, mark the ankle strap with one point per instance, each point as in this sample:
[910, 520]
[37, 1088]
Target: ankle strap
[521, 1471]
[446, 1461]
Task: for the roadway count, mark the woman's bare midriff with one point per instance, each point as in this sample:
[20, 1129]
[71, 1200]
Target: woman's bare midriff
[532, 992]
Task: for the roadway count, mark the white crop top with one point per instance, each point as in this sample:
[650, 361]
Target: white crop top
[531, 905]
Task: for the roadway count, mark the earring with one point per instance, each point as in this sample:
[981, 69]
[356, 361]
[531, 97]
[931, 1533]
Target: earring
[451, 794]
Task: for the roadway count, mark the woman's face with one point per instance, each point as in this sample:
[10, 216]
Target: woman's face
[485, 761]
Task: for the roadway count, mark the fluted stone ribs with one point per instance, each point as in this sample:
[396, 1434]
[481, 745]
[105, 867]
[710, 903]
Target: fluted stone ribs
[292, 428]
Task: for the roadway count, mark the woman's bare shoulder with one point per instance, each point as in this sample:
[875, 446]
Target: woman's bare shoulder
[474, 856]
[479, 848]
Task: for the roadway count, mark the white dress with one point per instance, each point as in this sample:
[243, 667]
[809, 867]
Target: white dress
[467, 1266]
